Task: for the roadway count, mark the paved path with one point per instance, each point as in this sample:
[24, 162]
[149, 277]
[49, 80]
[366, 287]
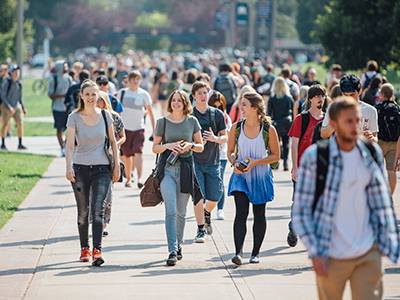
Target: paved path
[45, 145]
[39, 248]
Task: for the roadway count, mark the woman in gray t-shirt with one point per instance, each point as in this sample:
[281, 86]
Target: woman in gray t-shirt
[177, 134]
[88, 166]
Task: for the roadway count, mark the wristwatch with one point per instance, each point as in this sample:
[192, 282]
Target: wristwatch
[193, 145]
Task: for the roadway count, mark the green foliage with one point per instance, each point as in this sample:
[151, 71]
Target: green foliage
[152, 20]
[307, 13]
[353, 32]
[285, 19]
[130, 43]
[8, 31]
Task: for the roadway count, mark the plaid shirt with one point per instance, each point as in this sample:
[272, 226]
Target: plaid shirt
[315, 230]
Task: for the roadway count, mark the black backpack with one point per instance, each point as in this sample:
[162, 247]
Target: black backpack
[305, 120]
[9, 83]
[388, 121]
[368, 80]
[226, 86]
[323, 164]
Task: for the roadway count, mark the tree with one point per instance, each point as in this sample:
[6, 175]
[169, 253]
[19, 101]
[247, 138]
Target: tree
[285, 19]
[307, 13]
[353, 32]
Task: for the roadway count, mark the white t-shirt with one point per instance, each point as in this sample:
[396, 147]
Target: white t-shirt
[134, 103]
[352, 234]
[369, 118]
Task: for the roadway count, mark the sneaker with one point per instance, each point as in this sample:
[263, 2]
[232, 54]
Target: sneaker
[237, 260]
[285, 166]
[254, 259]
[3, 147]
[172, 259]
[140, 185]
[179, 255]
[105, 233]
[85, 254]
[201, 236]
[22, 147]
[97, 258]
[292, 238]
[220, 214]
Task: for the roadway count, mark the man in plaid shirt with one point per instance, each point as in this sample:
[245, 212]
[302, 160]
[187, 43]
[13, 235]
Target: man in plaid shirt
[354, 222]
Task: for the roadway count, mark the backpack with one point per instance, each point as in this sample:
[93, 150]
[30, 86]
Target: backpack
[9, 83]
[305, 120]
[122, 96]
[226, 86]
[388, 121]
[368, 80]
[265, 128]
[323, 165]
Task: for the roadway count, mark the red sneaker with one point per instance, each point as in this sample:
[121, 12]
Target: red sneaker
[85, 254]
[97, 258]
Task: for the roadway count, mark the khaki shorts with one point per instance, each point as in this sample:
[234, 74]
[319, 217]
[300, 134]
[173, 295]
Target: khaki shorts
[6, 114]
[389, 153]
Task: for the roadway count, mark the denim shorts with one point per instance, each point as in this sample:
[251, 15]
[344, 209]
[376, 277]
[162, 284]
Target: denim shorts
[210, 181]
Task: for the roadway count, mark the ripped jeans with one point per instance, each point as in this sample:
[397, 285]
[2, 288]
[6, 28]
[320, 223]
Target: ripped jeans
[91, 187]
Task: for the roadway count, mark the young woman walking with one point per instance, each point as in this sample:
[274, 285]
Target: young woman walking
[252, 180]
[89, 168]
[176, 137]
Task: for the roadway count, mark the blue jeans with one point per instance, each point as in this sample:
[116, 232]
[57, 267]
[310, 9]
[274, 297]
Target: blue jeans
[222, 168]
[175, 206]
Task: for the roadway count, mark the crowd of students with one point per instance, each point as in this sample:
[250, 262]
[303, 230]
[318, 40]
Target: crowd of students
[343, 136]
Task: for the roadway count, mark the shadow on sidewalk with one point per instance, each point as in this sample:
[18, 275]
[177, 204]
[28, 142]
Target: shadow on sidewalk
[241, 272]
[41, 242]
[280, 208]
[132, 247]
[178, 270]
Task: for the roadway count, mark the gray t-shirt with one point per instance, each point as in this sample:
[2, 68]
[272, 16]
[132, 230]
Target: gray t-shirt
[90, 140]
[210, 155]
[178, 131]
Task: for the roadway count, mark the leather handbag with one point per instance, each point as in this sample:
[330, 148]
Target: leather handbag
[150, 195]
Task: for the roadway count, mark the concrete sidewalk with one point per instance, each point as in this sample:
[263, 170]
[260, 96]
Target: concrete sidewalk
[43, 145]
[39, 250]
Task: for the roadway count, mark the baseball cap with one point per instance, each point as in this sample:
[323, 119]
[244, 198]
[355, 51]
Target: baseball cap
[14, 68]
[102, 79]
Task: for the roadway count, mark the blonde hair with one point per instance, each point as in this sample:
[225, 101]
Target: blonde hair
[280, 88]
[304, 92]
[245, 89]
[86, 84]
[257, 101]
[104, 96]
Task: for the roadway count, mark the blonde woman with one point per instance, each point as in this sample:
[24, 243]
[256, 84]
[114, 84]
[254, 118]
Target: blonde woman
[298, 106]
[104, 103]
[280, 108]
[235, 114]
[88, 166]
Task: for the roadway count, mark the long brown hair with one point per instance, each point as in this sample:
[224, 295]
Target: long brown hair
[257, 101]
[87, 83]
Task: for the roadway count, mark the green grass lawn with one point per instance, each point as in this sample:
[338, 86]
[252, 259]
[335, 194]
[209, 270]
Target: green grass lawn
[37, 105]
[36, 129]
[18, 175]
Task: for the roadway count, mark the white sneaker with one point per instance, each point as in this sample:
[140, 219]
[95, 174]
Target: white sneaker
[220, 214]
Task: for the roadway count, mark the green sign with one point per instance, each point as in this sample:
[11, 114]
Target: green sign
[242, 14]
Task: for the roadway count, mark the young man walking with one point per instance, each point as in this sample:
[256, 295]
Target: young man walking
[12, 107]
[59, 83]
[351, 86]
[343, 211]
[207, 165]
[136, 101]
[301, 134]
[389, 133]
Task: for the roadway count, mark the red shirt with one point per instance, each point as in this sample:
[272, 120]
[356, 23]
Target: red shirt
[306, 141]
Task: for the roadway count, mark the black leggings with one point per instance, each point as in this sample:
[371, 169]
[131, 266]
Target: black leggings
[239, 226]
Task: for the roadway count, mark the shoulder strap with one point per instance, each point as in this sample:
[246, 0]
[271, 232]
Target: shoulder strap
[322, 170]
[305, 120]
[55, 84]
[9, 83]
[212, 119]
[371, 150]
[103, 113]
[238, 130]
[122, 96]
